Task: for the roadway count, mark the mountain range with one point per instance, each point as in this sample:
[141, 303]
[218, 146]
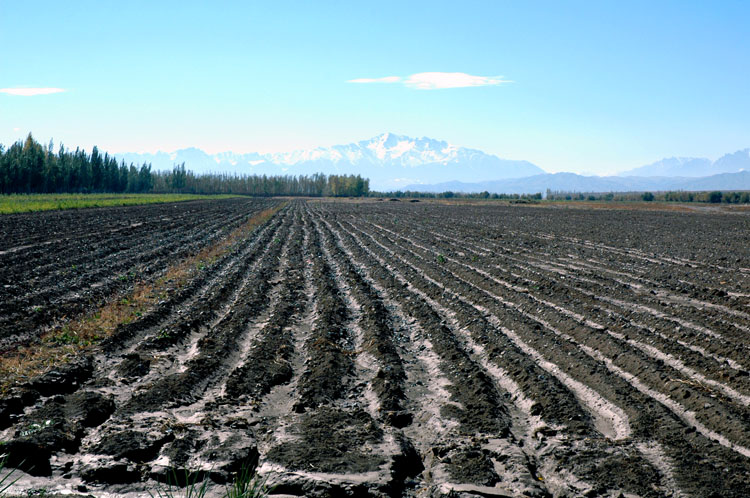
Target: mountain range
[389, 161]
[571, 182]
[396, 162]
[694, 166]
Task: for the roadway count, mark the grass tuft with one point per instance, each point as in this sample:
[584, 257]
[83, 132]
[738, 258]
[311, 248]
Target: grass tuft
[247, 484]
[196, 486]
[5, 481]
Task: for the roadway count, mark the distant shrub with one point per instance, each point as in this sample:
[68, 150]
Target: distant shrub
[647, 196]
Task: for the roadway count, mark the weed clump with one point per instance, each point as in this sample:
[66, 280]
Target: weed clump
[246, 484]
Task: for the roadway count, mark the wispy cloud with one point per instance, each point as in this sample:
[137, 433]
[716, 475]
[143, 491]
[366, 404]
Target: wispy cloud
[437, 80]
[434, 81]
[29, 92]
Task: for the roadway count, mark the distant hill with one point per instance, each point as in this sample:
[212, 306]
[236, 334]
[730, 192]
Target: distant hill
[694, 167]
[571, 182]
[390, 161]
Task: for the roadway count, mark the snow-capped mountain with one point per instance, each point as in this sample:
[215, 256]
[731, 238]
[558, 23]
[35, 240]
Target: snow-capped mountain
[390, 161]
[384, 149]
[694, 167]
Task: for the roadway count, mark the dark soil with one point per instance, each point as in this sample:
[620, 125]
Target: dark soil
[389, 349]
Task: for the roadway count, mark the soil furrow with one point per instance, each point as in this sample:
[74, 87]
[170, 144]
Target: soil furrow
[684, 463]
[480, 453]
[358, 347]
[74, 293]
[607, 417]
[331, 413]
[649, 350]
[377, 340]
[727, 418]
[524, 255]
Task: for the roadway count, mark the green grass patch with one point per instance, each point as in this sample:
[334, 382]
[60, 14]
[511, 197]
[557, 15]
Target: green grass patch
[25, 203]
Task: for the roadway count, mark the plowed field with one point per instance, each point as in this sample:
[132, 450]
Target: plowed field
[389, 349]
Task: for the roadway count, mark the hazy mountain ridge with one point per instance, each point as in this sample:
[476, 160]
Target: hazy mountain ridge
[571, 182]
[390, 161]
[694, 166]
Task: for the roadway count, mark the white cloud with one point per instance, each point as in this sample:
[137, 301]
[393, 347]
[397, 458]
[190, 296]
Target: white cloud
[28, 92]
[387, 79]
[437, 80]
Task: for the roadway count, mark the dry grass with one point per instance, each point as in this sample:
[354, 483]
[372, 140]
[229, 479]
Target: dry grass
[81, 334]
[695, 384]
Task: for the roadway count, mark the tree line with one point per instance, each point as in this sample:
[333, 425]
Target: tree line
[32, 168]
[711, 197]
[180, 180]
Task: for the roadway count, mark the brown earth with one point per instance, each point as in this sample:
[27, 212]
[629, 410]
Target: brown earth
[390, 349]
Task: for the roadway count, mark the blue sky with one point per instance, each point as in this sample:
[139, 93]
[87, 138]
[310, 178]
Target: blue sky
[576, 86]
